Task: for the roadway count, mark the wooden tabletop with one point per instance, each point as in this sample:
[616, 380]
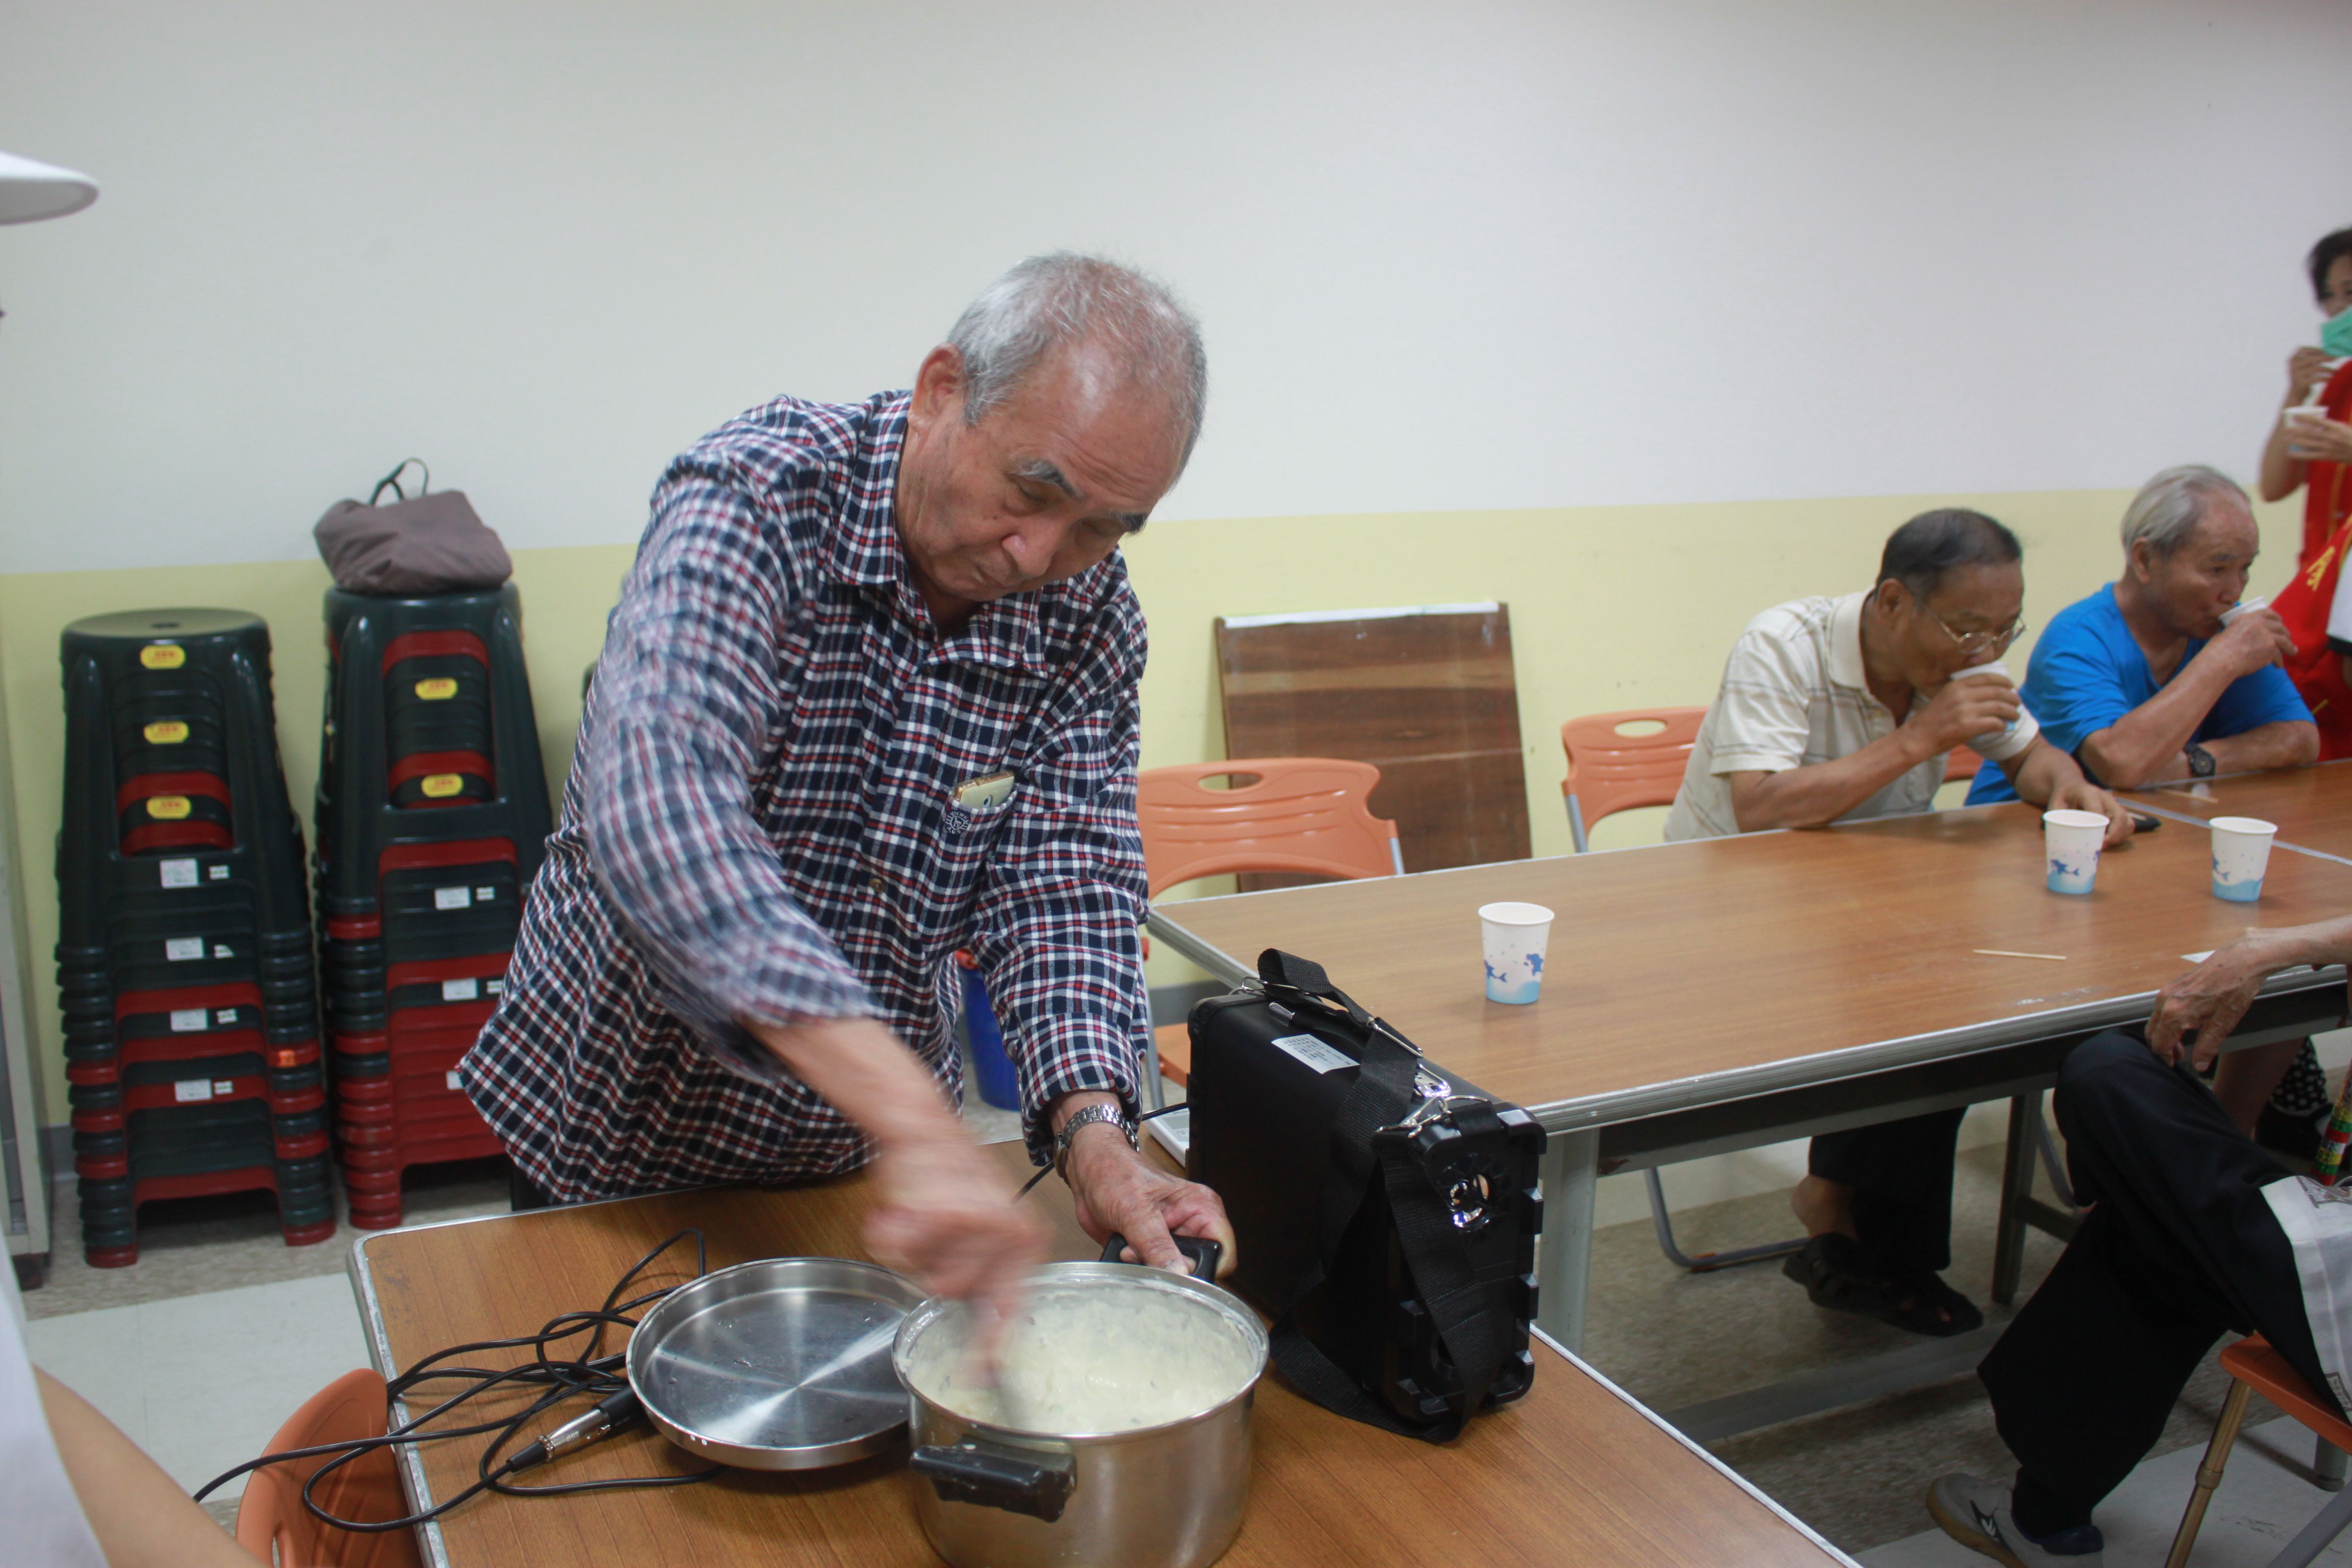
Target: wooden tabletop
[1767, 954]
[2312, 807]
[1572, 1473]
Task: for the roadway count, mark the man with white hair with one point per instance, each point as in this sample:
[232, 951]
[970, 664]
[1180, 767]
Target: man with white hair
[2144, 685]
[869, 698]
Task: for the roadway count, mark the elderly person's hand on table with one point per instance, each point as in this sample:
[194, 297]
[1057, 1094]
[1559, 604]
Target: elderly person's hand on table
[2209, 1001]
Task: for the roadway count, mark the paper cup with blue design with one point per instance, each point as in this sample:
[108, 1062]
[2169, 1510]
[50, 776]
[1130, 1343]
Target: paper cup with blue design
[2242, 853]
[1516, 936]
[2070, 844]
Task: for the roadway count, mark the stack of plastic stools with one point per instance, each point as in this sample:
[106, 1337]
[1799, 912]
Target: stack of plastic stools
[189, 1001]
[432, 819]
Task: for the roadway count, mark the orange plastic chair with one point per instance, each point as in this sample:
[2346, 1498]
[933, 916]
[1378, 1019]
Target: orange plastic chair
[1611, 770]
[271, 1521]
[1963, 765]
[1303, 815]
[2252, 1365]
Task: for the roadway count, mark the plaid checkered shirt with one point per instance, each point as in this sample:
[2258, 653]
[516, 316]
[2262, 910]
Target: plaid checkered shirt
[761, 823]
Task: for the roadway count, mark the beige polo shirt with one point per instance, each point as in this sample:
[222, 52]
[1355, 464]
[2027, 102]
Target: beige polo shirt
[1793, 696]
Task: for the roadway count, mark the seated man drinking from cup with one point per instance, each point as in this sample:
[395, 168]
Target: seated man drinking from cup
[2161, 676]
[1839, 710]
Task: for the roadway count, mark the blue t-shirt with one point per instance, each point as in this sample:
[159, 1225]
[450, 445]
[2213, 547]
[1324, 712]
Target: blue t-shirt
[2086, 672]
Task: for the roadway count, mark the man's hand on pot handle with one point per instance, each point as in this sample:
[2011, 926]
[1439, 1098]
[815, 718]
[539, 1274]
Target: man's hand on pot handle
[1118, 1190]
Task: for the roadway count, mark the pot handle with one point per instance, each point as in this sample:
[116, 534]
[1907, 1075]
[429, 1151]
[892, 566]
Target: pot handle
[1202, 1252]
[1038, 1484]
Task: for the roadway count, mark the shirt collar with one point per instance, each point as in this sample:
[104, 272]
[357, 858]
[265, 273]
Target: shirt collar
[1845, 642]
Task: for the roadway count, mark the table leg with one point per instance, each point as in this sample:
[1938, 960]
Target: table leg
[2016, 1193]
[1572, 1171]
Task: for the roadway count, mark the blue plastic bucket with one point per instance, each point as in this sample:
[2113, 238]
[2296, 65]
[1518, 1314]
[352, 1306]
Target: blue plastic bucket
[998, 1085]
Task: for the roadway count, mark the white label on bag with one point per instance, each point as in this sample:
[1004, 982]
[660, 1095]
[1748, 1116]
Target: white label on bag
[495, 986]
[188, 1020]
[218, 873]
[226, 1016]
[221, 950]
[460, 990]
[179, 948]
[485, 894]
[451, 1077]
[453, 898]
[221, 1085]
[192, 1089]
[1315, 1053]
[180, 873]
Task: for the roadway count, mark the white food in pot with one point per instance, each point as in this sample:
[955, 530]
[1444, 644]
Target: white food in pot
[1081, 1359]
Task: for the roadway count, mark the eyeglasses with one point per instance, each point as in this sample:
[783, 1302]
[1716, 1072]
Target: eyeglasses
[1973, 643]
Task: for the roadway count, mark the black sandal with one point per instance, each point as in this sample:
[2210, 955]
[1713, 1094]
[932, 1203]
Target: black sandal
[1836, 1274]
[1924, 1304]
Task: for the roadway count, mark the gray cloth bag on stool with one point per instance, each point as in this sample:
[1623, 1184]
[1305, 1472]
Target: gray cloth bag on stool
[414, 546]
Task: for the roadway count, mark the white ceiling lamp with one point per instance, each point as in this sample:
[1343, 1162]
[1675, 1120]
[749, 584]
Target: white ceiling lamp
[30, 192]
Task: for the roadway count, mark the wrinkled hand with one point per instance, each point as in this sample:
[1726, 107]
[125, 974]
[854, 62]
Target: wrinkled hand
[2082, 795]
[948, 1219]
[2210, 998]
[2306, 368]
[2252, 642]
[1966, 709]
[2319, 440]
[1118, 1190]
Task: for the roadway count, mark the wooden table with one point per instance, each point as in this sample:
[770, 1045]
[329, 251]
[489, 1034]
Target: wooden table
[1576, 1472]
[2312, 807]
[1714, 996]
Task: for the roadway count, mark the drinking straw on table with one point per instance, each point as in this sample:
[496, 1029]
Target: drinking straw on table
[2330, 1159]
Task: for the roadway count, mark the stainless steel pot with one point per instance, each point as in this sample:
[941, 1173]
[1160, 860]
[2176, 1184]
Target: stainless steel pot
[1004, 1495]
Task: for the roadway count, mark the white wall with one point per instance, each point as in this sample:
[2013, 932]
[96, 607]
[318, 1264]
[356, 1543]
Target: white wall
[1462, 256]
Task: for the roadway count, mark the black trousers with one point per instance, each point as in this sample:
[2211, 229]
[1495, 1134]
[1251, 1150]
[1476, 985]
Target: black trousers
[2181, 1245]
[1901, 1173]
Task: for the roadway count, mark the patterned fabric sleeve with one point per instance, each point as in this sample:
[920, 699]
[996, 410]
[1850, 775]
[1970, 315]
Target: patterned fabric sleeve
[684, 692]
[1057, 920]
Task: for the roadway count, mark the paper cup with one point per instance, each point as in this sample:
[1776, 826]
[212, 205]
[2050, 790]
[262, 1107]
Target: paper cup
[2070, 846]
[2244, 608]
[1516, 935]
[1995, 670]
[2242, 852]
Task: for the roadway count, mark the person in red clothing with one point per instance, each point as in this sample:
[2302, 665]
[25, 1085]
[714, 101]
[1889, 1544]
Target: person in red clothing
[2314, 455]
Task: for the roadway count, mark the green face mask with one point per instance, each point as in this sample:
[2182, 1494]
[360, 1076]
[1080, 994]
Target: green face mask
[2335, 337]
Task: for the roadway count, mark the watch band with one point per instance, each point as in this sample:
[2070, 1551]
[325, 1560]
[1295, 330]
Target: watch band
[1087, 1117]
[2201, 760]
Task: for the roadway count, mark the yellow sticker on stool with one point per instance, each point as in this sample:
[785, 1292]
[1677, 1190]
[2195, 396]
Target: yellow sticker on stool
[167, 807]
[165, 732]
[441, 787]
[439, 689]
[162, 656]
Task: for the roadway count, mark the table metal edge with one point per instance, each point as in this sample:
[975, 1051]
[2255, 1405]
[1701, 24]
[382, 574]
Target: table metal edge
[410, 1462]
[1712, 1463]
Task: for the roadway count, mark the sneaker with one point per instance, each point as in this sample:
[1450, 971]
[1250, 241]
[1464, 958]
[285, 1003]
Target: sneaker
[1975, 1512]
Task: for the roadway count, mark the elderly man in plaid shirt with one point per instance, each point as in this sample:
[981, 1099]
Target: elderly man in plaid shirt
[869, 698]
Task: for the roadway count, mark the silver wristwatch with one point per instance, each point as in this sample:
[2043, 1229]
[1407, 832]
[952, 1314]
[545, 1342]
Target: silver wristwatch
[1086, 1117]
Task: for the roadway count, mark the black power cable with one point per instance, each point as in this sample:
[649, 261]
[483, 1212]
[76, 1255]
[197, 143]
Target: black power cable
[563, 1378]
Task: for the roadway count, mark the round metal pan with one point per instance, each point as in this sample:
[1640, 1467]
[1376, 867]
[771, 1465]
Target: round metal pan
[782, 1364]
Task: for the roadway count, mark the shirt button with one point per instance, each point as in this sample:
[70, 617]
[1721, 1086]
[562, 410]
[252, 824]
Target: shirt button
[874, 883]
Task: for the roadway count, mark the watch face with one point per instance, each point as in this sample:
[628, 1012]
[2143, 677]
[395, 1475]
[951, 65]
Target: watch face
[2200, 762]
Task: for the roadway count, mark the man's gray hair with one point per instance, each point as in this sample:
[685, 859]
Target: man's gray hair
[2168, 508]
[1050, 302]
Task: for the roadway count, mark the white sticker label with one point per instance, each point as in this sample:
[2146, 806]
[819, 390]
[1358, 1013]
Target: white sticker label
[179, 948]
[221, 950]
[218, 873]
[226, 1016]
[188, 1020]
[1315, 1053]
[224, 1087]
[483, 895]
[460, 990]
[451, 1077]
[453, 898]
[192, 1089]
[180, 873]
[495, 986]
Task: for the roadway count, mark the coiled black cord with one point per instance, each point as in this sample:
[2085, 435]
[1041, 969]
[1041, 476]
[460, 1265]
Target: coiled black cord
[564, 1378]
